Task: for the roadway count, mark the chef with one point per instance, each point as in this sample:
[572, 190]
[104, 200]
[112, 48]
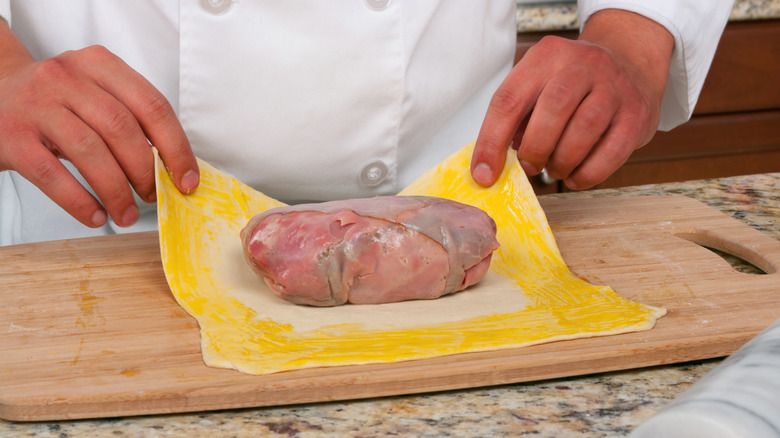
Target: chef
[310, 101]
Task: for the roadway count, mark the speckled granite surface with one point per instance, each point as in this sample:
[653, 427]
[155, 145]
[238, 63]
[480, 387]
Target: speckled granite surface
[563, 15]
[605, 405]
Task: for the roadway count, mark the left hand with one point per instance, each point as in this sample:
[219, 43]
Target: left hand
[579, 108]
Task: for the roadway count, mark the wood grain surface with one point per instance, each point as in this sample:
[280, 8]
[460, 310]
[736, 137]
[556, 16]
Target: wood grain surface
[89, 328]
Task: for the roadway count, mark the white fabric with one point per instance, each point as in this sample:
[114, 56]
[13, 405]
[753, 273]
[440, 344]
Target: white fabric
[5, 10]
[355, 86]
[301, 99]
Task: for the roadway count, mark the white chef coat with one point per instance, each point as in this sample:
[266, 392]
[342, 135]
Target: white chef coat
[308, 100]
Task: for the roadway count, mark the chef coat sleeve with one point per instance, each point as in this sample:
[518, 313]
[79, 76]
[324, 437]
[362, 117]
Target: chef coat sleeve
[696, 26]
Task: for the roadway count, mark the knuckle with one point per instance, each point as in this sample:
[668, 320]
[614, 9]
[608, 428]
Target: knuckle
[558, 170]
[89, 56]
[13, 129]
[122, 125]
[549, 39]
[534, 153]
[549, 43]
[558, 94]
[587, 177]
[487, 145]
[146, 182]
[643, 112]
[637, 125]
[45, 172]
[54, 70]
[16, 136]
[118, 193]
[595, 55]
[505, 102]
[113, 191]
[84, 142]
[95, 51]
[67, 63]
[141, 179]
[158, 108]
[592, 117]
[81, 201]
[614, 154]
[563, 163]
[599, 56]
[11, 156]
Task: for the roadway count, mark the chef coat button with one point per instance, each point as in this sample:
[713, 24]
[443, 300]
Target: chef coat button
[373, 174]
[216, 7]
[378, 5]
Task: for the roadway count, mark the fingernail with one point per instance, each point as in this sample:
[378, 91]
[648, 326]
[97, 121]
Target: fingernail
[99, 218]
[130, 216]
[482, 174]
[528, 168]
[189, 181]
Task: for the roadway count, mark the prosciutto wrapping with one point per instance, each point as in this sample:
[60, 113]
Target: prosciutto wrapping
[369, 251]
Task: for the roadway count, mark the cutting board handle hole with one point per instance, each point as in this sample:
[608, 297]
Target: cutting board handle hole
[738, 263]
[740, 258]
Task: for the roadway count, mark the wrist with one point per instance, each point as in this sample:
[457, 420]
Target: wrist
[641, 43]
[13, 54]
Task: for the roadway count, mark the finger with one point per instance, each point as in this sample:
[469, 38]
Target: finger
[45, 171]
[517, 138]
[509, 107]
[609, 154]
[153, 112]
[557, 102]
[86, 150]
[120, 130]
[584, 130]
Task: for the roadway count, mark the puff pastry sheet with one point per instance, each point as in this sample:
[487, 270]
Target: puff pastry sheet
[529, 296]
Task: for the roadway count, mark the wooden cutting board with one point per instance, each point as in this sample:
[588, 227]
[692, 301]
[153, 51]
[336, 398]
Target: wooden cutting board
[89, 328]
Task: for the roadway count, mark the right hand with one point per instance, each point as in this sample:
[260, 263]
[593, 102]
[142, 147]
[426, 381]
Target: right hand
[579, 108]
[91, 108]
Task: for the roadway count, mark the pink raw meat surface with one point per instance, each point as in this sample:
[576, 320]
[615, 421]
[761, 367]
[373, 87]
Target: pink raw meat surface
[369, 251]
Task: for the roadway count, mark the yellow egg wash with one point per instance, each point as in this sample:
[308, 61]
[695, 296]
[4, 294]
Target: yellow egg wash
[201, 254]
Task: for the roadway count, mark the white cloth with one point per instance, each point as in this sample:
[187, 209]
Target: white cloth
[310, 100]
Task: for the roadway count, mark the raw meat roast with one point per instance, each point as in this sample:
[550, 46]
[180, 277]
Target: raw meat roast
[369, 251]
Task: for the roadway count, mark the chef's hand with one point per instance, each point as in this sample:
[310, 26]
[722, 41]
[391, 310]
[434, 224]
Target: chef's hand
[579, 108]
[91, 108]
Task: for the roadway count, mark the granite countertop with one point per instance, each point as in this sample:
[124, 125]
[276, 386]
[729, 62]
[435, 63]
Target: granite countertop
[610, 404]
[550, 16]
